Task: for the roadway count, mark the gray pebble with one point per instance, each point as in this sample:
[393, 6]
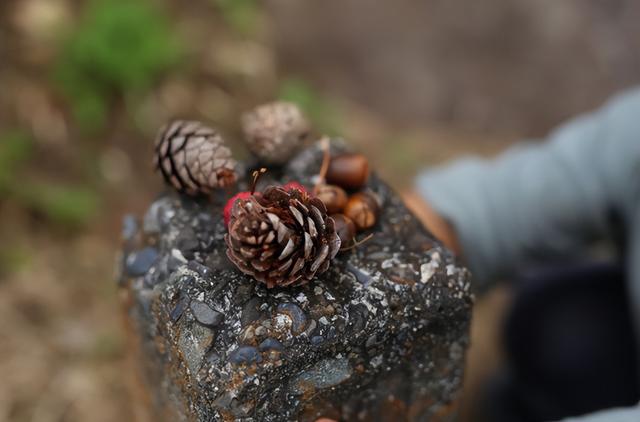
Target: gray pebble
[245, 354]
[129, 227]
[139, 262]
[205, 315]
[178, 310]
[297, 315]
[270, 344]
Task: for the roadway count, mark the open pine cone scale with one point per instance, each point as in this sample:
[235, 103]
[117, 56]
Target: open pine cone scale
[281, 237]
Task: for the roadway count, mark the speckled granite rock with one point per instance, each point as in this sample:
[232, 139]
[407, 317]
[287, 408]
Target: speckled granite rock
[380, 336]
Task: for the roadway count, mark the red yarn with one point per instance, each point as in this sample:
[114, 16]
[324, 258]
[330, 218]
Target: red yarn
[230, 202]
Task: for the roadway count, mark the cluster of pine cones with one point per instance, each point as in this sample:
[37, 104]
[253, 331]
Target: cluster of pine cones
[282, 236]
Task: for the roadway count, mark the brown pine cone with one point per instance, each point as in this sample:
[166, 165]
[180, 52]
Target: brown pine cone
[281, 237]
[274, 131]
[193, 158]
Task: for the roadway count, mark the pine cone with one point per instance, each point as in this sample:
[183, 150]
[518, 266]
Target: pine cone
[274, 131]
[281, 237]
[193, 158]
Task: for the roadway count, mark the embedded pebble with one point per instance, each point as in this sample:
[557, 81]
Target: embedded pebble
[317, 340]
[205, 315]
[250, 311]
[297, 315]
[178, 310]
[129, 227]
[202, 270]
[270, 344]
[195, 340]
[428, 270]
[139, 262]
[324, 374]
[245, 354]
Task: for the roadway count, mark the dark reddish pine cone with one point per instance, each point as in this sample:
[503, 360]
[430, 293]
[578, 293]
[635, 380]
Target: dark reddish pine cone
[294, 185]
[244, 195]
[193, 158]
[281, 237]
[229, 205]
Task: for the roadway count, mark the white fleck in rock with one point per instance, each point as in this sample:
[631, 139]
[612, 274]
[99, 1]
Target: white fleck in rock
[323, 320]
[301, 298]
[178, 255]
[282, 321]
[427, 271]
[317, 290]
[376, 361]
[375, 292]
[387, 263]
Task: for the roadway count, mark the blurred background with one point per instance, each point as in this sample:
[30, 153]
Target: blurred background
[85, 84]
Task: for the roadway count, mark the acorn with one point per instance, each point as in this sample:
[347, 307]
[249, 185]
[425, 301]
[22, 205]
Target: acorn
[333, 197]
[363, 208]
[345, 228]
[349, 171]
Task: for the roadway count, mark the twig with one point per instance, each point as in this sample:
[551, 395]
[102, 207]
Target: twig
[326, 159]
[256, 175]
[357, 243]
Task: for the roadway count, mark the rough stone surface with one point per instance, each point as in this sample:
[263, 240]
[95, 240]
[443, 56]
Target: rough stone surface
[380, 336]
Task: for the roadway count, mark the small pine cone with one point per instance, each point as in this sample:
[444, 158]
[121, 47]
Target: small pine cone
[281, 237]
[274, 131]
[193, 158]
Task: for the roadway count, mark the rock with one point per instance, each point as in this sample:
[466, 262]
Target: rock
[129, 228]
[380, 336]
[297, 316]
[179, 309]
[324, 374]
[205, 315]
[270, 344]
[245, 355]
[138, 263]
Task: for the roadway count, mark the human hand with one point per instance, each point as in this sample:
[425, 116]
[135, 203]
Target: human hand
[433, 221]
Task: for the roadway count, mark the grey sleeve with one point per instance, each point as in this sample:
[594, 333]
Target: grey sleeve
[541, 200]
[630, 414]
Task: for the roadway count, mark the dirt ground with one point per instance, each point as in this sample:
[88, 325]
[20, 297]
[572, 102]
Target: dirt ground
[415, 86]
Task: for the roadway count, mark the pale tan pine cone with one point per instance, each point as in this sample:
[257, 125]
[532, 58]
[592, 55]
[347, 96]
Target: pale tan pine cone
[193, 158]
[281, 237]
[274, 131]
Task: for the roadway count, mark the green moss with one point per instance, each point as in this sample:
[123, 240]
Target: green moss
[241, 15]
[15, 149]
[13, 259]
[65, 206]
[316, 107]
[120, 47]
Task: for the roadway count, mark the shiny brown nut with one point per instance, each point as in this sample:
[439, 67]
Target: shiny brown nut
[333, 197]
[349, 171]
[345, 228]
[363, 209]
